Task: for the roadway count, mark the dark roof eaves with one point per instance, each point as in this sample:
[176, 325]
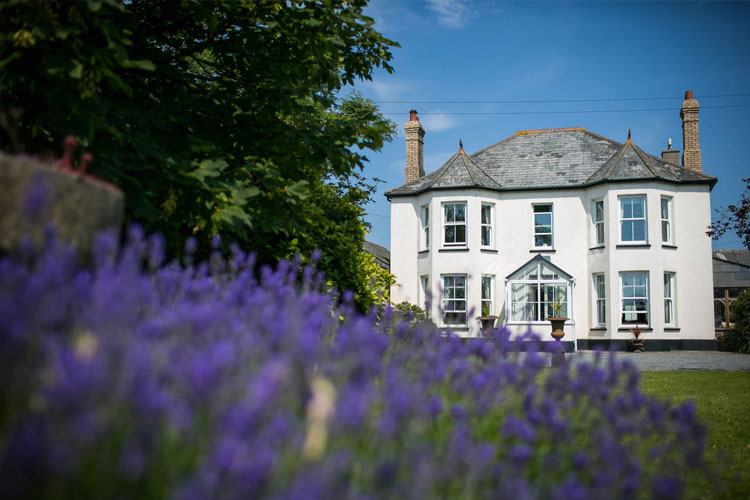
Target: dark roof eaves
[550, 188]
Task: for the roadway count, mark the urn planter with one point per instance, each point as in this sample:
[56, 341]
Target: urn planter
[488, 324]
[558, 332]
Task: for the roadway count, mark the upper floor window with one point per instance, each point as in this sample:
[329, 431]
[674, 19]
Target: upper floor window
[424, 234]
[454, 221]
[488, 284]
[634, 287]
[487, 224]
[454, 299]
[633, 219]
[543, 225]
[598, 218]
[666, 219]
[600, 296]
[669, 299]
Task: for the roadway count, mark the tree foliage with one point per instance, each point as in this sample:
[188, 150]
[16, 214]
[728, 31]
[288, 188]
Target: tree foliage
[740, 309]
[734, 218]
[213, 117]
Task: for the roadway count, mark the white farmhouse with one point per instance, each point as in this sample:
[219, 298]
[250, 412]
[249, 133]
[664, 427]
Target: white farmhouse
[613, 235]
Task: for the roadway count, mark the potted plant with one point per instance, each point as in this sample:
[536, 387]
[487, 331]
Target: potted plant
[637, 341]
[486, 320]
[557, 322]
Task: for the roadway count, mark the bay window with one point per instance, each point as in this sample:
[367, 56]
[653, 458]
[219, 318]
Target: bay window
[633, 219]
[454, 223]
[487, 225]
[634, 293]
[454, 299]
[666, 220]
[424, 282]
[424, 236]
[669, 319]
[600, 300]
[598, 218]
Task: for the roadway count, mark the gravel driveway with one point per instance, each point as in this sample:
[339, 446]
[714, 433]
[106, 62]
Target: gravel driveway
[678, 360]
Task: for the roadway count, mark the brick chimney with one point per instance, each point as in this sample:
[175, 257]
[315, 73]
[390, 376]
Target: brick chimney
[671, 155]
[414, 148]
[691, 157]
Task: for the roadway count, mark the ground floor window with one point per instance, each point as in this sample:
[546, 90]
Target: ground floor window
[669, 299]
[488, 283]
[454, 299]
[634, 288]
[425, 294]
[538, 291]
[600, 291]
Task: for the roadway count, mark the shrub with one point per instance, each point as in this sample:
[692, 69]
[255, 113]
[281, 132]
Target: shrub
[139, 379]
[740, 310]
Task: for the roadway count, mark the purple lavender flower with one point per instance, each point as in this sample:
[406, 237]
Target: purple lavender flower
[204, 375]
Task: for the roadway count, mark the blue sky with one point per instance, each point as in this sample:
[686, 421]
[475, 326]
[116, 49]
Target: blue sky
[479, 50]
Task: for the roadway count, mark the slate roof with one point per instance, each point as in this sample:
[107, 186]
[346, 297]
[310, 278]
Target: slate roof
[382, 255]
[458, 172]
[741, 257]
[550, 159]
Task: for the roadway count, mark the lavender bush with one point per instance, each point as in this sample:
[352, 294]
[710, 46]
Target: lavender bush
[138, 379]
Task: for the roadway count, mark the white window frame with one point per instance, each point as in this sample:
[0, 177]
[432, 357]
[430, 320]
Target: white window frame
[542, 306]
[632, 219]
[667, 236]
[424, 232]
[634, 298]
[597, 210]
[536, 233]
[488, 298]
[456, 224]
[452, 298]
[669, 299]
[600, 300]
[488, 226]
[424, 289]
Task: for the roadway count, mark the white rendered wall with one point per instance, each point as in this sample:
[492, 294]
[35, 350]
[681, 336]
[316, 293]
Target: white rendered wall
[573, 240]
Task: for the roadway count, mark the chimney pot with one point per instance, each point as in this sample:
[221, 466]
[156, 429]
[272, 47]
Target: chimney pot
[413, 116]
[688, 94]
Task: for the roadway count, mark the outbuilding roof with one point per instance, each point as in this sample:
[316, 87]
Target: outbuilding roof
[550, 159]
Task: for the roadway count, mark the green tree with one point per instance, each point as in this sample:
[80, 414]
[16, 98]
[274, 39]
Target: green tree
[213, 117]
[735, 218]
[740, 310]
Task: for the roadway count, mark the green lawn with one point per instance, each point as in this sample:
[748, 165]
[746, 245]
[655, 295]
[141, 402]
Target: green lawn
[723, 403]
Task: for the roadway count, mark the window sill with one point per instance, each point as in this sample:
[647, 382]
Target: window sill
[633, 245]
[543, 322]
[423, 252]
[598, 328]
[630, 329]
[542, 250]
[671, 328]
[488, 250]
[454, 249]
[597, 247]
[666, 245]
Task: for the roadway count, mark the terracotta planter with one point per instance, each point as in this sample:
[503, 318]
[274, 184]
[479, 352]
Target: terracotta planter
[558, 332]
[558, 325]
[488, 324]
